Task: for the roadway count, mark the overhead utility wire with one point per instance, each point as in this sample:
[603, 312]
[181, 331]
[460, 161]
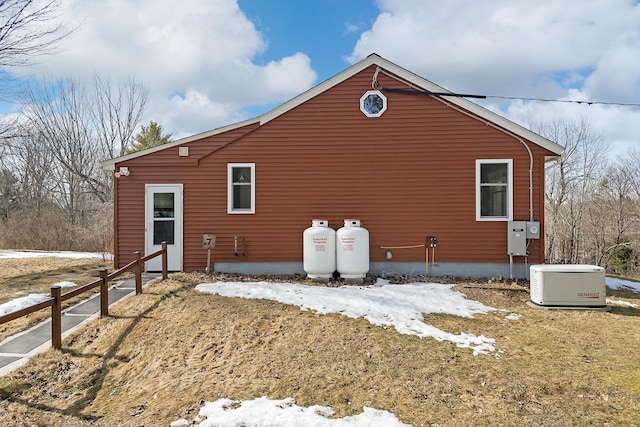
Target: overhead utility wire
[625, 104]
[426, 92]
[466, 95]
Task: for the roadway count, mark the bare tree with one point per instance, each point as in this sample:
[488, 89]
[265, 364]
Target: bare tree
[58, 116]
[570, 183]
[117, 111]
[29, 29]
[52, 157]
[35, 169]
[8, 193]
[630, 161]
[83, 127]
[620, 204]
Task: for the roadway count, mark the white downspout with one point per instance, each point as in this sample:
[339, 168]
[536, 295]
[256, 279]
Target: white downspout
[516, 137]
[486, 122]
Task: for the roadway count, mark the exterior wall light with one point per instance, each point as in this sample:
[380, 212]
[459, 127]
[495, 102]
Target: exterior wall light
[123, 171]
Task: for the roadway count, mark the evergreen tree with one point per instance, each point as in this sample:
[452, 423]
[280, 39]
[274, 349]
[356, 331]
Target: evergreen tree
[150, 136]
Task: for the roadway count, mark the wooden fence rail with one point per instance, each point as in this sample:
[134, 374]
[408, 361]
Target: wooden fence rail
[57, 297]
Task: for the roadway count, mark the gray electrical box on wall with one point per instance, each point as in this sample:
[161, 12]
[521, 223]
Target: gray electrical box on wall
[533, 230]
[517, 238]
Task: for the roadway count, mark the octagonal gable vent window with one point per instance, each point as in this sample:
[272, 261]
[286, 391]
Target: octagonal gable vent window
[373, 103]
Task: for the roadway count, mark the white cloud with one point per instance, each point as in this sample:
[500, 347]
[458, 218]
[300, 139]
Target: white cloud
[618, 125]
[526, 48]
[617, 71]
[187, 110]
[289, 76]
[204, 51]
[350, 27]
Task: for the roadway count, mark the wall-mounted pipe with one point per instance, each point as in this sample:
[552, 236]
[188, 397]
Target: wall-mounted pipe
[429, 245]
[402, 247]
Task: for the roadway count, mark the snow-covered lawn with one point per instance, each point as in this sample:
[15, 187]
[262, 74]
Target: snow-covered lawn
[11, 253]
[615, 283]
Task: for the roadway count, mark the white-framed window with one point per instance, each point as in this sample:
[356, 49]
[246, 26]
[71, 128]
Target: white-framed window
[241, 190]
[373, 103]
[494, 190]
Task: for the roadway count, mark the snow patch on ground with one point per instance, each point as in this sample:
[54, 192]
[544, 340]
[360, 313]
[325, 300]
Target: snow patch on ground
[400, 306]
[265, 412]
[22, 302]
[10, 253]
[622, 303]
[65, 284]
[615, 283]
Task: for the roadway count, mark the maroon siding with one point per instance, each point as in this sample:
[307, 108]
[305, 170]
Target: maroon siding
[407, 175]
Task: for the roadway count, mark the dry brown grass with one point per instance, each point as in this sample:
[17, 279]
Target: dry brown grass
[21, 277]
[162, 353]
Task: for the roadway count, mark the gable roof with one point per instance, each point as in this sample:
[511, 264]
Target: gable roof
[410, 79]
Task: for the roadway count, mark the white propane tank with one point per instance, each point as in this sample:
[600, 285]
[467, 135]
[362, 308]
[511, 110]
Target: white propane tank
[319, 250]
[352, 250]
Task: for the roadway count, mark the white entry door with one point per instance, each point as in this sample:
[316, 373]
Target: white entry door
[163, 223]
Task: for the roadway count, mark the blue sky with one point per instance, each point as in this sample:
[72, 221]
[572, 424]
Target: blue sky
[210, 63]
[325, 30]
[329, 29]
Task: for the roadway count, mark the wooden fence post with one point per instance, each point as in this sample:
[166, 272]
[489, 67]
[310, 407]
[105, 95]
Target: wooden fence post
[164, 261]
[104, 293]
[138, 272]
[56, 317]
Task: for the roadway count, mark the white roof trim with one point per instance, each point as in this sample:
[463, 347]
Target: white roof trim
[372, 59]
[420, 82]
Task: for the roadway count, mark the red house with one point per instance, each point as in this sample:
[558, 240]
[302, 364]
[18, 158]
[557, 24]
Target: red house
[376, 142]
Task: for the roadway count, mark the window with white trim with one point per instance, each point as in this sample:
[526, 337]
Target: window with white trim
[494, 190]
[373, 103]
[241, 191]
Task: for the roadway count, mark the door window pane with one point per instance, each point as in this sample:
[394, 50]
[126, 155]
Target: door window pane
[163, 206]
[163, 231]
